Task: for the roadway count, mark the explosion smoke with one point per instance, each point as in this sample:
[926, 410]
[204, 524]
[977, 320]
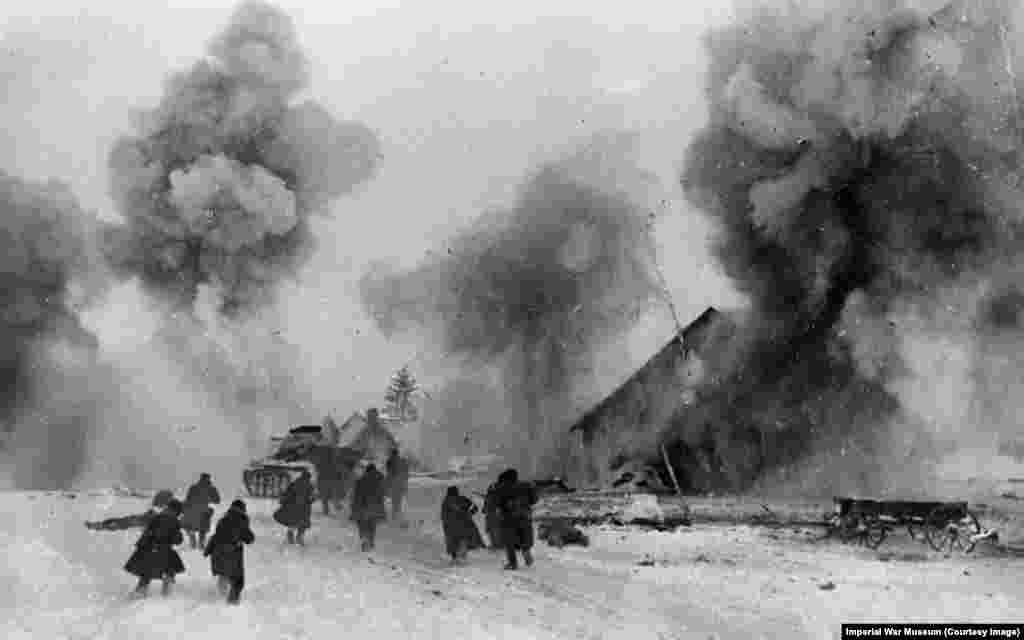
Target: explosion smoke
[219, 185]
[864, 166]
[45, 239]
[531, 289]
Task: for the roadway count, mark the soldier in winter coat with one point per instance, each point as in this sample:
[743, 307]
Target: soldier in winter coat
[398, 482]
[368, 505]
[160, 500]
[460, 533]
[296, 508]
[226, 550]
[491, 518]
[154, 555]
[198, 513]
[514, 501]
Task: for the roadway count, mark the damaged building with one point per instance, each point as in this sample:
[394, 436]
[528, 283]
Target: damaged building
[626, 434]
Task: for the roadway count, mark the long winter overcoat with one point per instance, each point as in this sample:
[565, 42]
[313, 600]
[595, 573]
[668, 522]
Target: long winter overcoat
[296, 508]
[368, 497]
[198, 514]
[492, 519]
[515, 502]
[154, 556]
[226, 548]
[457, 521]
[398, 476]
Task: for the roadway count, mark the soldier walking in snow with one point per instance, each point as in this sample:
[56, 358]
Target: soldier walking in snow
[226, 550]
[154, 555]
[460, 532]
[296, 508]
[368, 505]
[514, 501]
[491, 517]
[398, 482]
[198, 513]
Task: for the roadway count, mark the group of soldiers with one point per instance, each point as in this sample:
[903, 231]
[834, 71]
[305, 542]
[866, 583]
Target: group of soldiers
[155, 557]
[508, 518]
[368, 506]
[508, 508]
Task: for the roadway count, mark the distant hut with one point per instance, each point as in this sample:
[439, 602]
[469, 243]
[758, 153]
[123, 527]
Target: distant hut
[373, 442]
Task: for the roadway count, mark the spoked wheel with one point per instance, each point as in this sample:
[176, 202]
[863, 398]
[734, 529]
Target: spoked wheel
[945, 532]
[967, 528]
[874, 532]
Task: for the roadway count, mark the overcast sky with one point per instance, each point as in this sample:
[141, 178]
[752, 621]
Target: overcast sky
[466, 97]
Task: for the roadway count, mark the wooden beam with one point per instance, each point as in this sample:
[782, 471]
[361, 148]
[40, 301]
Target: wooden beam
[671, 471]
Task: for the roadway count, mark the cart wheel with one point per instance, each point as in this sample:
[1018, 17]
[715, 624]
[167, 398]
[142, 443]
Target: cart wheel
[875, 533]
[848, 528]
[967, 528]
[939, 530]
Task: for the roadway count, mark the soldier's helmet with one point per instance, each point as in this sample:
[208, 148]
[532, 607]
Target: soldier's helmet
[204, 476]
[175, 507]
[162, 498]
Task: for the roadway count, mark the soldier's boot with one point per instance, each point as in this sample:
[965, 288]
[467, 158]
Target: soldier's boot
[235, 590]
[511, 563]
[290, 538]
[141, 589]
[223, 585]
[202, 539]
[299, 538]
[165, 589]
[528, 557]
[192, 539]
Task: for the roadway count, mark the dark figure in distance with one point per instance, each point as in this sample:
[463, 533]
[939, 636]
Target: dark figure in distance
[515, 500]
[198, 513]
[491, 517]
[296, 508]
[368, 505]
[154, 555]
[398, 482]
[226, 550]
[136, 520]
[333, 473]
[460, 533]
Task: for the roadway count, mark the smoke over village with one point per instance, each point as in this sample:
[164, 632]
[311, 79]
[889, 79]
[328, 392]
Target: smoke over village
[511, 320]
[864, 166]
[858, 170]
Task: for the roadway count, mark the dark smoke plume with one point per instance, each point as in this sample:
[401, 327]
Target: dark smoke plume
[864, 166]
[218, 186]
[46, 255]
[532, 289]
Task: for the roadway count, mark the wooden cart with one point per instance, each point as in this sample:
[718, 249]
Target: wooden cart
[945, 526]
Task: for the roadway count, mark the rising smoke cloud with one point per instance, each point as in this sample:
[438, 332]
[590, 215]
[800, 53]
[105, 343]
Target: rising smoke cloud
[531, 289]
[48, 263]
[219, 184]
[863, 163]
[216, 192]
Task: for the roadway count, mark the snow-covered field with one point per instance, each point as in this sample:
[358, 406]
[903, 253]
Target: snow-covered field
[60, 580]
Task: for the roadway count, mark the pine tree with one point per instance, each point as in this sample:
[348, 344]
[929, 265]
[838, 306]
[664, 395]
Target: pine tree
[399, 394]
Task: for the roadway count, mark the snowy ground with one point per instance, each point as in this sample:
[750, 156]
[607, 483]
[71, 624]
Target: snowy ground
[60, 580]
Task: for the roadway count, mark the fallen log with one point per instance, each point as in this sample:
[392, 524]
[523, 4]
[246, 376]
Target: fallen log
[666, 511]
[589, 508]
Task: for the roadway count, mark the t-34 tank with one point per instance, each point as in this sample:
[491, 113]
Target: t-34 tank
[306, 447]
